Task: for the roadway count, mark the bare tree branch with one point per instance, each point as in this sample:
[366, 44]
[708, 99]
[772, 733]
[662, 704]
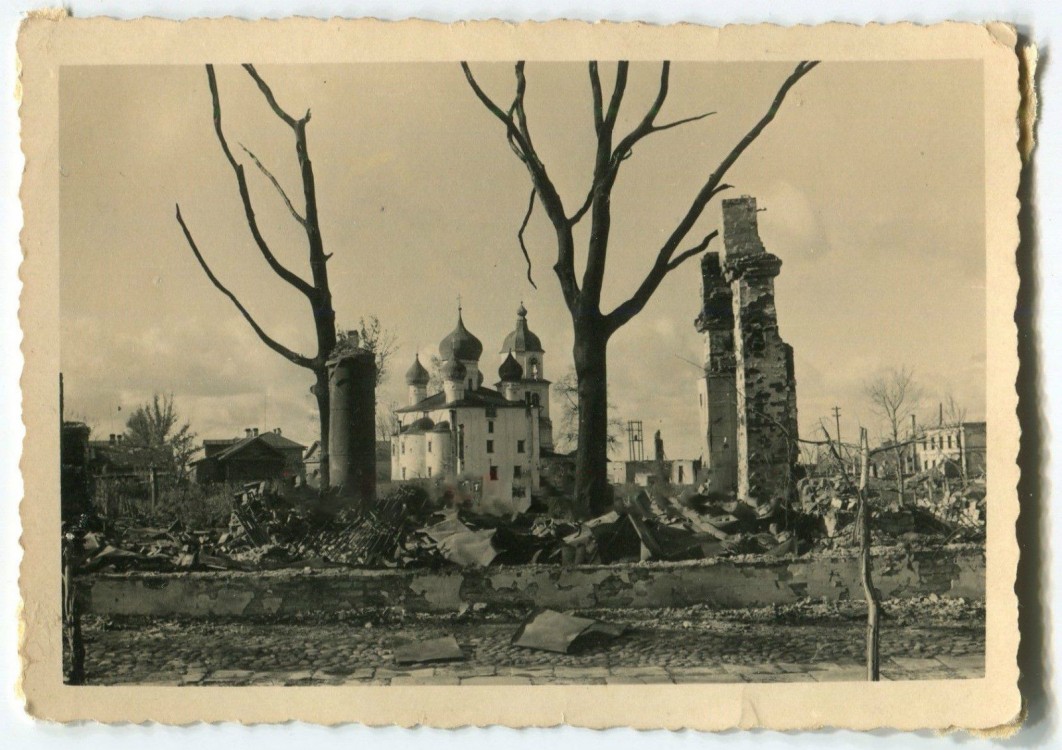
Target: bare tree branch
[698, 248]
[661, 267]
[520, 236]
[546, 191]
[245, 196]
[276, 184]
[272, 100]
[268, 340]
[599, 105]
[712, 185]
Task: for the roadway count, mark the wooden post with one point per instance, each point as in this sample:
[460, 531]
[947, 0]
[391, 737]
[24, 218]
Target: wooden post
[154, 488]
[871, 594]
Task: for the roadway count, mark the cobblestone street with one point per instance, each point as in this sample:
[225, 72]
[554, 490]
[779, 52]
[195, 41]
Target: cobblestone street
[660, 646]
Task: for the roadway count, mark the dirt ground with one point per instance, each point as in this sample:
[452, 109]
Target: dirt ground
[927, 638]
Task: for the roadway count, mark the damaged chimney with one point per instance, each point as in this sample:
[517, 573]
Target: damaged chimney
[352, 416]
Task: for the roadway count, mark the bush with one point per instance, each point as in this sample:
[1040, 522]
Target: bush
[196, 506]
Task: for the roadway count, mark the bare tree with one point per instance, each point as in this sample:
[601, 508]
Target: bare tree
[371, 335]
[154, 430]
[567, 391]
[592, 327]
[387, 422]
[316, 291]
[894, 396]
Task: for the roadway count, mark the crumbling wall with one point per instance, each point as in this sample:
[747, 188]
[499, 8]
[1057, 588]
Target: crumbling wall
[352, 433]
[718, 392]
[764, 378]
[953, 571]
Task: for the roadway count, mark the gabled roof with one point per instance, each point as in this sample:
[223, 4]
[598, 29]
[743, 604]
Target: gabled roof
[269, 440]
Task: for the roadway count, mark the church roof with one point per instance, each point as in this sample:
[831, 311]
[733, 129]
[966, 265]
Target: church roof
[460, 344]
[481, 397]
[454, 369]
[521, 339]
[417, 374]
[510, 370]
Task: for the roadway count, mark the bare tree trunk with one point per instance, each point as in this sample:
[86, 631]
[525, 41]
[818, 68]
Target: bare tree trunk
[899, 476]
[871, 594]
[592, 490]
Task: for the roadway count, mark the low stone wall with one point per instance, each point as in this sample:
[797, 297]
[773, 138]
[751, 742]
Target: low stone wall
[955, 571]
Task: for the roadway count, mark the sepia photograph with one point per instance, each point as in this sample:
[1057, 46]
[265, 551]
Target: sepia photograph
[521, 371]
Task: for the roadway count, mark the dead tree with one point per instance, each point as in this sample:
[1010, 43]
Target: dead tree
[869, 592]
[592, 327]
[316, 290]
[862, 533]
[894, 396]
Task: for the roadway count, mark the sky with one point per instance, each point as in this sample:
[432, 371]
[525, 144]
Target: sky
[871, 177]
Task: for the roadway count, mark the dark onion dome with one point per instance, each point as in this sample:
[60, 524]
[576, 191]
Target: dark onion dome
[424, 423]
[416, 374]
[521, 339]
[460, 344]
[510, 370]
[454, 370]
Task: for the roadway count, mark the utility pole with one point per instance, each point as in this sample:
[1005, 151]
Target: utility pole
[837, 418]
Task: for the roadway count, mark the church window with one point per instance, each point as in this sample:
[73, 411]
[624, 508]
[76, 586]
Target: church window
[429, 446]
[949, 441]
[490, 427]
[494, 473]
[490, 446]
[403, 447]
[534, 399]
[519, 446]
[403, 472]
[492, 412]
[518, 471]
[429, 471]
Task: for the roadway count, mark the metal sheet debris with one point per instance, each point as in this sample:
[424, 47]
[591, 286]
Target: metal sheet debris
[549, 630]
[433, 650]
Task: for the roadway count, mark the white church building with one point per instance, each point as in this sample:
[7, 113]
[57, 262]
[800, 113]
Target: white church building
[489, 438]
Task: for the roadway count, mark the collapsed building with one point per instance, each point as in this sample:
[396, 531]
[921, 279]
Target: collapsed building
[747, 396]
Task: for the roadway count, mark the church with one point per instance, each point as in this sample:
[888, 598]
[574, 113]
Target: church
[488, 439]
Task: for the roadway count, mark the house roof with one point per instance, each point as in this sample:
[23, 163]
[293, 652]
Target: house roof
[271, 440]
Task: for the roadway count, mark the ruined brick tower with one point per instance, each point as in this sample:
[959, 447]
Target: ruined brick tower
[748, 394]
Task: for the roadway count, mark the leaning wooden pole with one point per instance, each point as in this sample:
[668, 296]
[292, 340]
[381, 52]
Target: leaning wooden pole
[871, 594]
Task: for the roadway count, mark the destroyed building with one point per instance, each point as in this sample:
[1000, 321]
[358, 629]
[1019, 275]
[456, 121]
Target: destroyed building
[491, 437]
[747, 397]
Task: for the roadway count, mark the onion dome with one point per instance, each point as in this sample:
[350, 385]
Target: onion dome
[460, 344]
[424, 423]
[416, 374]
[454, 370]
[510, 370]
[521, 339]
[442, 426]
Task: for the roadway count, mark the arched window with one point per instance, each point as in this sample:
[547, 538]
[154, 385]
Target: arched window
[532, 367]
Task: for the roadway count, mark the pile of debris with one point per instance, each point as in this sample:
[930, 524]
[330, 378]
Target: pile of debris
[274, 528]
[832, 504]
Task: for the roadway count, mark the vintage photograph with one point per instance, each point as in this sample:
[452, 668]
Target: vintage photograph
[590, 371]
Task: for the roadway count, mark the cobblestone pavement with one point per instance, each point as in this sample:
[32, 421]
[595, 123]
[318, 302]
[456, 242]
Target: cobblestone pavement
[660, 646]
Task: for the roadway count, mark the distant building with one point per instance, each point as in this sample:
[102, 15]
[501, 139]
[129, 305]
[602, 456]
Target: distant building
[491, 438]
[254, 457]
[961, 445]
[677, 471]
